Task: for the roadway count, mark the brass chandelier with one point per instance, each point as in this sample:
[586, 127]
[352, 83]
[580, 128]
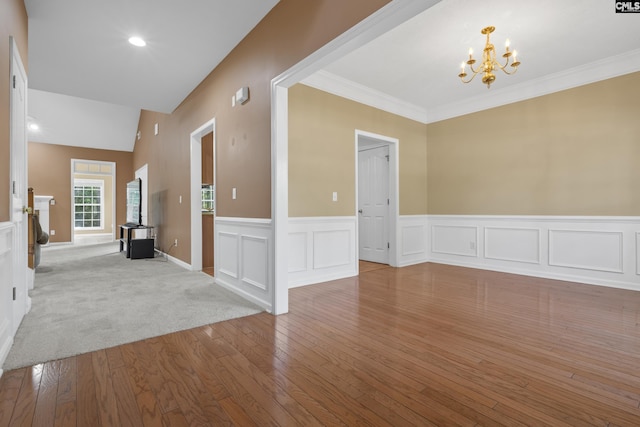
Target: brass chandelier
[489, 62]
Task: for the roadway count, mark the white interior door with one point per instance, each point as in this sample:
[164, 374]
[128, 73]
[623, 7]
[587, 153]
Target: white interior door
[18, 136]
[373, 204]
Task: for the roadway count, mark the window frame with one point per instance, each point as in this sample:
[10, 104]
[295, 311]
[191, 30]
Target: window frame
[84, 183]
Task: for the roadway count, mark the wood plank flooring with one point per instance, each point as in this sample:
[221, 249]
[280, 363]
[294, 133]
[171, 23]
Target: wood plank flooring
[427, 345]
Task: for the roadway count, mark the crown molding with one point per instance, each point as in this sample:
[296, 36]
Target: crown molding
[332, 83]
[604, 69]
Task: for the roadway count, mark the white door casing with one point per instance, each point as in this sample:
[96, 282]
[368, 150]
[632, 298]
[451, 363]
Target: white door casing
[18, 138]
[373, 204]
[196, 194]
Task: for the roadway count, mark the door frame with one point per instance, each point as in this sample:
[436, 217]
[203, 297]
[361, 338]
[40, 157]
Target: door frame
[363, 139]
[112, 175]
[196, 195]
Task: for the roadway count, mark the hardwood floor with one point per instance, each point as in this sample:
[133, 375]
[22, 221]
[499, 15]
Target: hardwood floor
[427, 345]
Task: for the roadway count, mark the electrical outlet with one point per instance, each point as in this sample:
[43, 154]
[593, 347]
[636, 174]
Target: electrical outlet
[335, 196]
[175, 243]
[52, 232]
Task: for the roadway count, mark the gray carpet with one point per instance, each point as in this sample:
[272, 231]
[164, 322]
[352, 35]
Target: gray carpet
[88, 298]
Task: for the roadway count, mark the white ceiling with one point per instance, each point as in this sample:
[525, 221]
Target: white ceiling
[79, 48]
[411, 70]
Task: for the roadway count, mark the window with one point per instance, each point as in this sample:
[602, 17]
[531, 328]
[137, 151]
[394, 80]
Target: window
[208, 197]
[88, 204]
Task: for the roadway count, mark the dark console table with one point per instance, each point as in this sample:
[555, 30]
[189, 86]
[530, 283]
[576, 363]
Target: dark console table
[134, 245]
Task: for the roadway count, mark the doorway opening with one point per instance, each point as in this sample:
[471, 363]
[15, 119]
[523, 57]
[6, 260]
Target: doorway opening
[92, 202]
[203, 212]
[385, 19]
[377, 197]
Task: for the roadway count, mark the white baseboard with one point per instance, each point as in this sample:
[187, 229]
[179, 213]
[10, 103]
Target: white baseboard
[176, 261]
[246, 295]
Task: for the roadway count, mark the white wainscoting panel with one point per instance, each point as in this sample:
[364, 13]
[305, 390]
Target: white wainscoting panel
[298, 258]
[453, 239]
[6, 283]
[229, 258]
[255, 266]
[586, 249]
[332, 248]
[244, 258]
[413, 240]
[638, 253]
[512, 244]
[594, 250]
[321, 249]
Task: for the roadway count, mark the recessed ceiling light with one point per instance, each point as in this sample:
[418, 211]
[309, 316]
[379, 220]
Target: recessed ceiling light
[34, 127]
[137, 41]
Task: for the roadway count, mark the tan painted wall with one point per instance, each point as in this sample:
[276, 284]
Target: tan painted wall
[291, 31]
[322, 153]
[13, 22]
[574, 152]
[50, 174]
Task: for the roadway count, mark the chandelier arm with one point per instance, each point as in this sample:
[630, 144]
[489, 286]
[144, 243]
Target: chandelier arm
[474, 71]
[468, 81]
[502, 67]
[473, 76]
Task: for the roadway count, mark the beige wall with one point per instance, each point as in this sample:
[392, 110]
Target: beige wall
[291, 31]
[574, 152]
[13, 22]
[322, 153]
[50, 174]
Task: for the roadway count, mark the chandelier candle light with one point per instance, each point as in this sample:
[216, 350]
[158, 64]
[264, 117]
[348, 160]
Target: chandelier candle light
[489, 62]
